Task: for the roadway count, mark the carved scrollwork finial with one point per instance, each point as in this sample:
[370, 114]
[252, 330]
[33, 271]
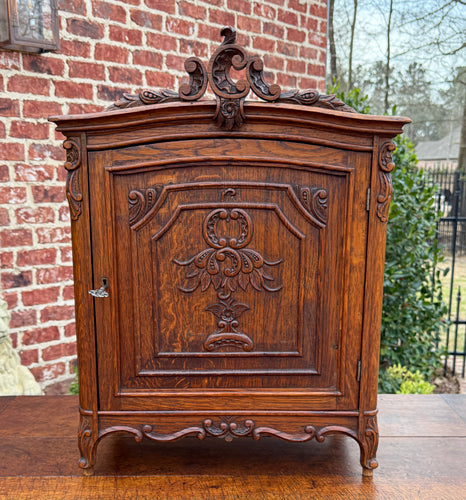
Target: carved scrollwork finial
[230, 94]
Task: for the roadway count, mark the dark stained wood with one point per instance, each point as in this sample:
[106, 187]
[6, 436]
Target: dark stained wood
[42, 464]
[234, 253]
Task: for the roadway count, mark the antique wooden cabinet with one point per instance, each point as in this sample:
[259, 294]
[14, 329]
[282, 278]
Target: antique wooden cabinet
[228, 260]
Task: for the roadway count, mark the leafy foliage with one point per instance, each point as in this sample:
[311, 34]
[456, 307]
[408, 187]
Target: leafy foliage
[413, 309]
[399, 380]
[74, 387]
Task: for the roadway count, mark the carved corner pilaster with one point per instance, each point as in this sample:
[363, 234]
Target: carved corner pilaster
[73, 180]
[87, 442]
[369, 441]
[386, 166]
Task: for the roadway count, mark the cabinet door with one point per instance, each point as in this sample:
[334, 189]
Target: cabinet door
[225, 277]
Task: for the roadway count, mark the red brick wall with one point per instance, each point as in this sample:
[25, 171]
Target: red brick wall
[109, 47]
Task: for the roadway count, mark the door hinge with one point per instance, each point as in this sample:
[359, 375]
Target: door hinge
[368, 199]
[358, 371]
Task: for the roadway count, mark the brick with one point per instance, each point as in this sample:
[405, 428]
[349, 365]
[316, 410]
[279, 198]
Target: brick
[322, 57]
[38, 151]
[296, 66]
[175, 62]
[11, 151]
[125, 75]
[273, 30]
[107, 10]
[221, 17]
[54, 234]
[86, 70]
[161, 42]
[40, 296]
[192, 10]
[194, 47]
[68, 292]
[33, 173]
[316, 70]
[318, 40]
[298, 5]
[123, 35]
[29, 357]
[39, 215]
[318, 11]
[6, 259]
[266, 11]
[160, 79]
[56, 313]
[64, 214]
[75, 48]
[309, 23]
[29, 130]
[287, 49]
[23, 318]
[66, 255]
[12, 301]
[15, 238]
[41, 109]
[43, 64]
[48, 372]
[308, 53]
[83, 28]
[107, 93]
[174, 25]
[264, 44]
[40, 335]
[74, 6]
[248, 24]
[111, 53]
[4, 173]
[10, 195]
[70, 330]
[74, 90]
[4, 218]
[278, 2]
[243, 6]
[288, 17]
[78, 109]
[48, 194]
[274, 62]
[58, 274]
[17, 279]
[164, 5]
[9, 107]
[147, 19]
[323, 27]
[2, 130]
[36, 257]
[296, 35]
[147, 58]
[59, 351]
[28, 85]
[10, 60]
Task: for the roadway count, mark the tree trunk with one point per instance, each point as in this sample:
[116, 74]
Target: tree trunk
[387, 64]
[331, 43]
[350, 62]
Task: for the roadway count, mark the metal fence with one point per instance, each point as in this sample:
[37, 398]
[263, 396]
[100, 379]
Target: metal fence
[451, 235]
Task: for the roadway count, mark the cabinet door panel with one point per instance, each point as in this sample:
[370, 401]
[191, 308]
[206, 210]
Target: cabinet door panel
[223, 274]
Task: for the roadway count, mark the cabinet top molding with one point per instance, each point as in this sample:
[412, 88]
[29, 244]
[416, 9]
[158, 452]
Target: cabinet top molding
[230, 95]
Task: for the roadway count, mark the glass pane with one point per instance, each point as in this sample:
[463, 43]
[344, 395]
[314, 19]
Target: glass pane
[4, 34]
[35, 19]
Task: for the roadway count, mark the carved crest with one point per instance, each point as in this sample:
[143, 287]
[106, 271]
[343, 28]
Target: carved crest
[73, 182]
[386, 165]
[230, 95]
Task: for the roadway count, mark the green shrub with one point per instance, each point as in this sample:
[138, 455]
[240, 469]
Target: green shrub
[74, 387]
[412, 297]
[398, 379]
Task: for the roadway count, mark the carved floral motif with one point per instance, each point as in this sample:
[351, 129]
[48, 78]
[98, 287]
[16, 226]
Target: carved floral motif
[369, 442]
[230, 94]
[74, 193]
[385, 180]
[140, 203]
[228, 265]
[315, 202]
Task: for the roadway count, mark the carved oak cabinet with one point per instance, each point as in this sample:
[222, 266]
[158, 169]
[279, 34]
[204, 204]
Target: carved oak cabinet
[228, 260]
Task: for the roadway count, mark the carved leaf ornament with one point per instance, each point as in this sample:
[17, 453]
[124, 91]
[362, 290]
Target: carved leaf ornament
[230, 95]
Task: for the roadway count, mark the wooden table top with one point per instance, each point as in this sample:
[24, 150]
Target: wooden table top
[422, 454]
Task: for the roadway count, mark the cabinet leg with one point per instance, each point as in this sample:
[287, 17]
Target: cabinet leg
[87, 443]
[368, 442]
